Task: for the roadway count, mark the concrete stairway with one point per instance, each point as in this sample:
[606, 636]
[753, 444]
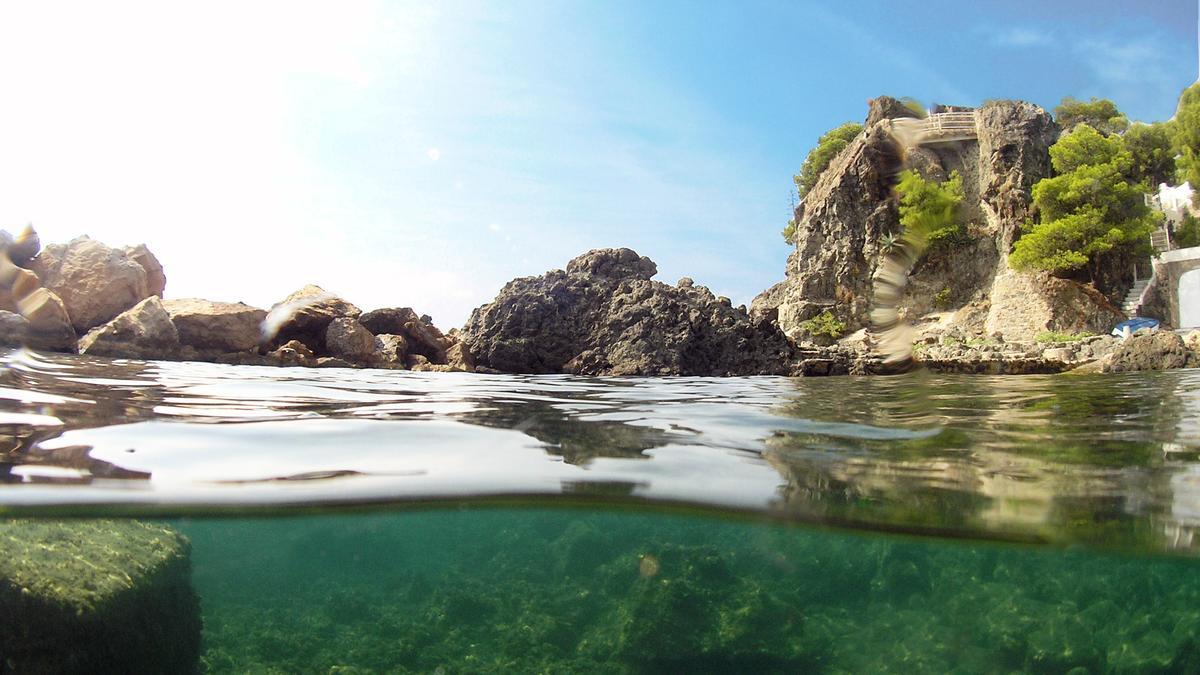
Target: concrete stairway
[1131, 304]
[1159, 240]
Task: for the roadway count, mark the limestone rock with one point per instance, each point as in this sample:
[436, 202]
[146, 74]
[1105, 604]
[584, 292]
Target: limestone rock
[390, 351]
[304, 316]
[156, 279]
[49, 325]
[346, 339]
[216, 326]
[459, 358]
[1161, 350]
[1023, 305]
[14, 329]
[604, 316]
[388, 321]
[143, 332]
[416, 362]
[96, 282]
[332, 362]
[425, 339]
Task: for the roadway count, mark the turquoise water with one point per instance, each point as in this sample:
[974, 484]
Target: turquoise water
[372, 521]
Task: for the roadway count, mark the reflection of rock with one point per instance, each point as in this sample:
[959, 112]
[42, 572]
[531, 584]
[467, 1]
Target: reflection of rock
[576, 440]
[96, 282]
[143, 332]
[96, 596]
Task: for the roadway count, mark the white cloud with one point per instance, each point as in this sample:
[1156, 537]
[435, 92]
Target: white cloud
[1019, 36]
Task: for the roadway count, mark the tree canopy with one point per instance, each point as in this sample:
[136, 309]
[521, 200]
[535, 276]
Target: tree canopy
[1185, 133]
[929, 210]
[1152, 152]
[1089, 210]
[1100, 114]
[828, 147]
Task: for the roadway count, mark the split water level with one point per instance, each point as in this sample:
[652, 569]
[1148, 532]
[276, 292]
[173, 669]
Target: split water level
[178, 516]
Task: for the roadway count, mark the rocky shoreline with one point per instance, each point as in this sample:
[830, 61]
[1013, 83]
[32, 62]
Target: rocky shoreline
[601, 315]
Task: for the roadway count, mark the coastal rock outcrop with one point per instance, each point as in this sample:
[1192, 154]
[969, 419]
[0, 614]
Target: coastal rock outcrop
[604, 316]
[347, 340]
[95, 282]
[304, 315]
[842, 222]
[144, 331]
[216, 326]
[156, 278]
[1159, 350]
[49, 324]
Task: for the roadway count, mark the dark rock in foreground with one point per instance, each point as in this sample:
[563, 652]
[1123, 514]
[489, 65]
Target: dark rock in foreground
[96, 597]
[1159, 350]
[604, 316]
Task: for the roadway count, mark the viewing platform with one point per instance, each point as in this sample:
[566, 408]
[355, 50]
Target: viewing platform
[947, 127]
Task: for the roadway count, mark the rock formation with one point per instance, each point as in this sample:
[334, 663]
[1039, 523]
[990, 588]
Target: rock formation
[216, 327]
[841, 220]
[144, 331]
[604, 316]
[94, 281]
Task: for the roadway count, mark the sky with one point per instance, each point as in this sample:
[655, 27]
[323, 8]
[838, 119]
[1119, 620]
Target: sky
[423, 154]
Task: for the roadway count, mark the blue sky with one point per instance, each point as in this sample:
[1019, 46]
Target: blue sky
[423, 154]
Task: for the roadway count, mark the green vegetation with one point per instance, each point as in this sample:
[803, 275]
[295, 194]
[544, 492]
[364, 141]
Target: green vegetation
[1056, 336]
[1187, 234]
[1100, 114]
[1089, 210]
[941, 299]
[828, 147]
[824, 325]
[888, 241]
[1153, 153]
[789, 232]
[929, 210]
[1185, 133]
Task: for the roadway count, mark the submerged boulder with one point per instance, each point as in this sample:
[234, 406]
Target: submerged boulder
[143, 332]
[216, 326]
[96, 596]
[96, 282]
[603, 315]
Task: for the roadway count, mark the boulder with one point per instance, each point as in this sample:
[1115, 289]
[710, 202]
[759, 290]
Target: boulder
[425, 339]
[390, 351]
[96, 596]
[144, 331]
[388, 321]
[292, 353]
[459, 358]
[1160, 350]
[304, 316]
[14, 329]
[346, 339]
[156, 279]
[604, 316]
[216, 326]
[49, 324]
[1023, 305]
[96, 282]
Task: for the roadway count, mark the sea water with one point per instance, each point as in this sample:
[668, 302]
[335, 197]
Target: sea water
[347, 521]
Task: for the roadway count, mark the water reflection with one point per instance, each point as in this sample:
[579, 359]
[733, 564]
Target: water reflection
[1101, 459]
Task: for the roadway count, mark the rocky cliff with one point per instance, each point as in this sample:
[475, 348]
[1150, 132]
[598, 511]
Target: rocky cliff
[852, 205]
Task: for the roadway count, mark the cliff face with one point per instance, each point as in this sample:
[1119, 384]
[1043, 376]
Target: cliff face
[852, 205]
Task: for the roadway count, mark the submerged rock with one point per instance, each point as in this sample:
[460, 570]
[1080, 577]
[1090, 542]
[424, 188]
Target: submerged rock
[143, 332]
[96, 596]
[604, 316]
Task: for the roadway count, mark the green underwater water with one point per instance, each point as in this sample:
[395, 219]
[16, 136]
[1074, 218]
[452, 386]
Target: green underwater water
[474, 590]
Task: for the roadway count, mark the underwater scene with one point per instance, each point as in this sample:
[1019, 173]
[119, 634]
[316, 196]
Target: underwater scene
[181, 517]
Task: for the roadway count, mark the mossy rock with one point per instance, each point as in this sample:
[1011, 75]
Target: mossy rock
[96, 596]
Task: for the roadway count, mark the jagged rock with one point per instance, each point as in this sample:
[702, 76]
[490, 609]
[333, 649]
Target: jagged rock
[14, 329]
[346, 339]
[156, 279]
[1023, 305]
[425, 339]
[304, 316]
[1161, 350]
[887, 108]
[459, 358]
[292, 353]
[144, 331]
[604, 316]
[216, 326]
[96, 282]
[24, 246]
[388, 321]
[49, 324]
[390, 351]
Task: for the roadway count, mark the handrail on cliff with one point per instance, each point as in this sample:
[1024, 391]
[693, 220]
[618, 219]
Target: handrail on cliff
[936, 128]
